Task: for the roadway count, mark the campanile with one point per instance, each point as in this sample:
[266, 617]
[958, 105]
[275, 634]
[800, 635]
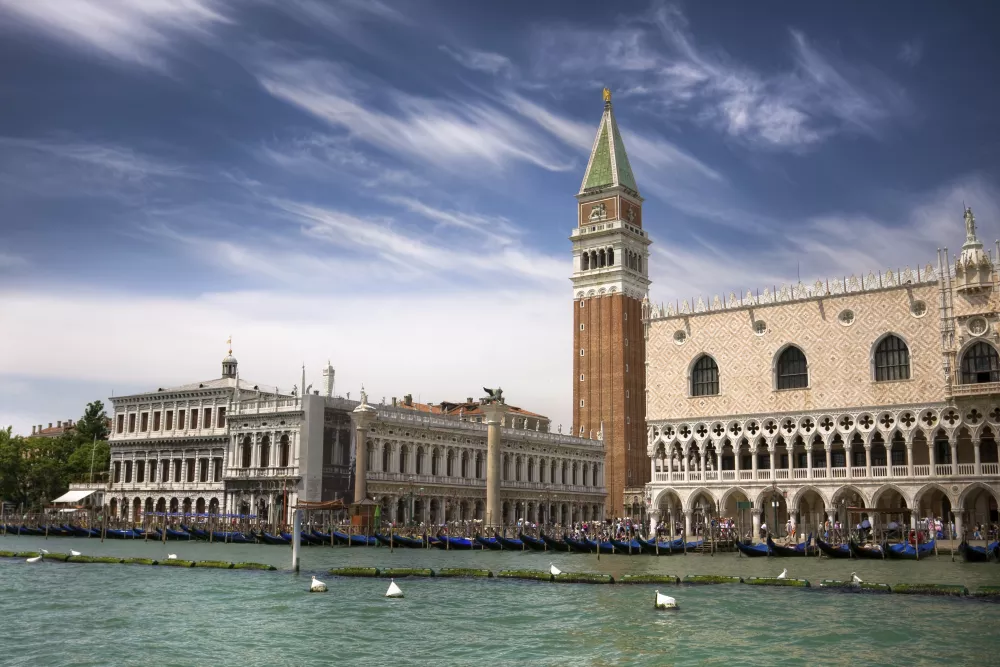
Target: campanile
[610, 281]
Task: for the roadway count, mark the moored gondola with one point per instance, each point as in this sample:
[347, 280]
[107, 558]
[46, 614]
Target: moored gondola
[833, 551]
[631, 547]
[579, 546]
[974, 554]
[908, 552]
[869, 551]
[268, 538]
[605, 547]
[753, 550]
[232, 537]
[510, 544]
[460, 543]
[489, 542]
[400, 541]
[799, 550]
[554, 544]
[533, 543]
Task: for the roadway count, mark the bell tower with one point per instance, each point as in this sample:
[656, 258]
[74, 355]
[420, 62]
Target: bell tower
[610, 280]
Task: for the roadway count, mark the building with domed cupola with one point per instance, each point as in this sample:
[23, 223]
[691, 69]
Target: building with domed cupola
[879, 391]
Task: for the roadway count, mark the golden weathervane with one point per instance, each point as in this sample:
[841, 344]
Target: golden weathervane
[607, 94]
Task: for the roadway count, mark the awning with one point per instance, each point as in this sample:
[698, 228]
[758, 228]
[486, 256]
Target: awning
[73, 496]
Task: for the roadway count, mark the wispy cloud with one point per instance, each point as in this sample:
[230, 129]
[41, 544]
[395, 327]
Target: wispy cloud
[454, 135]
[122, 161]
[494, 227]
[11, 262]
[482, 61]
[911, 52]
[137, 32]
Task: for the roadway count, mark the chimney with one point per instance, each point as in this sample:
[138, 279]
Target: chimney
[408, 400]
[32, 429]
[468, 399]
[393, 401]
[50, 424]
[59, 424]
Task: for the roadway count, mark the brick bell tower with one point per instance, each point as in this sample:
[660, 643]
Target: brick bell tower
[610, 281]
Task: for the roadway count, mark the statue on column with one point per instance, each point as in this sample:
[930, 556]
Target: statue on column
[970, 224]
[494, 396]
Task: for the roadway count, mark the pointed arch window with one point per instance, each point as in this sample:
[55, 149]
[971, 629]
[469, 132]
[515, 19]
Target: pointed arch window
[793, 371]
[586, 261]
[705, 377]
[980, 363]
[892, 360]
[611, 256]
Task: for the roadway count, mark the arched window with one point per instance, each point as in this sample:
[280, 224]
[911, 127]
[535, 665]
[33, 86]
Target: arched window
[246, 452]
[601, 257]
[465, 465]
[506, 468]
[705, 377]
[386, 454]
[793, 372]
[265, 452]
[586, 261]
[611, 256]
[892, 360]
[980, 363]
[403, 453]
[593, 259]
[479, 465]
[283, 452]
[420, 461]
[638, 263]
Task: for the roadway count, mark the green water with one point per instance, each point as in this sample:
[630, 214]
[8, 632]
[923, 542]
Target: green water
[64, 614]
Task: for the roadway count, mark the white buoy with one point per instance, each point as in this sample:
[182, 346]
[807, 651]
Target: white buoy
[553, 570]
[855, 579]
[393, 591]
[73, 552]
[784, 574]
[171, 556]
[317, 586]
[36, 559]
[44, 551]
[664, 601]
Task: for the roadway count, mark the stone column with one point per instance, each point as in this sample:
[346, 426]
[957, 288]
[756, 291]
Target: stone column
[849, 456]
[958, 524]
[755, 514]
[654, 522]
[494, 414]
[931, 456]
[687, 525]
[868, 461]
[790, 450]
[809, 460]
[954, 455]
[909, 459]
[978, 458]
[828, 450]
[362, 417]
[772, 457]
[753, 461]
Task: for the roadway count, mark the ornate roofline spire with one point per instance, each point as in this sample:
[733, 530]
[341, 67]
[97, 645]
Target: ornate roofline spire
[608, 166]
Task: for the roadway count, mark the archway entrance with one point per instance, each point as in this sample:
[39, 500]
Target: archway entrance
[811, 508]
[774, 512]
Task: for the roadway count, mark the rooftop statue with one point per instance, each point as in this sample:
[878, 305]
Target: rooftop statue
[607, 94]
[495, 396]
[970, 224]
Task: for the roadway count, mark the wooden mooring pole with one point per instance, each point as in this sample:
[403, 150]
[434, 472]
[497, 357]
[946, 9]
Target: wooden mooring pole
[296, 538]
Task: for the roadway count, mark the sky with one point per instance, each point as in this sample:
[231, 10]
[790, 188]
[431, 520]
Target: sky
[389, 185]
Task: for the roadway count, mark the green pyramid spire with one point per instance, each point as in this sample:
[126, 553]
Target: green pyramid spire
[609, 165]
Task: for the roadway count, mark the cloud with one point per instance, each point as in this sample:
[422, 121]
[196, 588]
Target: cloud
[482, 61]
[392, 345]
[136, 32]
[911, 52]
[120, 161]
[10, 262]
[495, 228]
[452, 135]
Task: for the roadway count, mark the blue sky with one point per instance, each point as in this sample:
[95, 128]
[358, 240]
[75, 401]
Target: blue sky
[390, 185]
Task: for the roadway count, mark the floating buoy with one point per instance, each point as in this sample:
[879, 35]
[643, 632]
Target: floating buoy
[393, 591]
[317, 586]
[664, 601]
[73, 552]
[171, 556]
[44, 551]
[855, 579]
[784, 574]
[553, 570]
[35, 559]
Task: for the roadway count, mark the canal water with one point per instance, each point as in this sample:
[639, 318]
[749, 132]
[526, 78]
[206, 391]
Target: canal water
[61, 614]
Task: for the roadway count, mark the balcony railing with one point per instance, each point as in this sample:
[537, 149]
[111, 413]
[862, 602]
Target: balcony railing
[922, 471]
[164, 487]
[819, 473]
[942, 470]
[729, 475]
[781, 473]
[899, 471]
[262, 473]
[800, 473]
[442, 480]
[990, 468]
[980, 389]
[859, 472]
[855, 472]
[880, 471]
[966, 468]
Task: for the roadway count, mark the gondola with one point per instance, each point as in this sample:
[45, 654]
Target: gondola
[632, 547]
[76, 531]
[54, 531]
[231, 537]
[799, 550]
[833, 551]
[28, 530]
[354, 540]
[753, 550]
[510, 544]
[401, 541]
[491, 543]
[117, 534]
[974, 554]
[533, 543]
[268, 538]
[578, 546]
[871, 552]
[461, 543]
[196, 533]
[307, 538]
[908, 552]
[994, 548]
[553, 544]
[605, 547]
[429, 540]
[321, 538]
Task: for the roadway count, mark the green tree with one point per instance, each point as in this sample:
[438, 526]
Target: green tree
[94, 423]
[11, 468]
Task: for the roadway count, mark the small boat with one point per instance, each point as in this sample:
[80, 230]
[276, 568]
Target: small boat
[462, 543]
[231, 537]
[974, 554]
[354, 540]
[871, 551]
[908, 552]
[268, 538]
[85, 532]
[833, 551]
[632, 547]
[603, 547]
[510, 544]
[553, 544]
[400, 541]
[804, 549]
[26, 530]
[304, 538]
[753, 550]
[197, 533]
[430, 540]
[578, 546]
[54, 531]
[321, 538]
[491, 543]
[533, 543]
[118, 534]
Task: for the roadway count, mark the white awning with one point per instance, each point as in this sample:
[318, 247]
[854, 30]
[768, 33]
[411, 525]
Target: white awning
[73, 496]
